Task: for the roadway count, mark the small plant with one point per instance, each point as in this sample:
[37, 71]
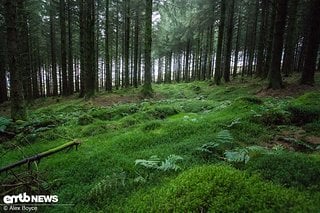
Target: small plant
[108, 184]
[237, 156]
[222, 141]
[154, 162]
[4, 123]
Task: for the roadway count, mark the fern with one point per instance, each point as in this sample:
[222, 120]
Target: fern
[4, 123]
[170, 163]
[222, 139]
[109, 183]
[154, 162]
[237, 156]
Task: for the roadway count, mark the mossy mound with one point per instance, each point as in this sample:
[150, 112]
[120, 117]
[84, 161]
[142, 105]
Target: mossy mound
[288, 169]
[219, 189]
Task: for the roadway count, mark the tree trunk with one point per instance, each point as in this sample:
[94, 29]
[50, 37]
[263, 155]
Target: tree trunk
[147, 88]
[3, 78]
[53, 51]
[107, 52]
[90, 80]
[312, 46]
[70, 53]
[127, 44]
[136, 49]
[218, 70]
[262, 39]
[236, 55]
[18, 111]
[63, 48]
[290, 38]
[227, 70]
[275, 81]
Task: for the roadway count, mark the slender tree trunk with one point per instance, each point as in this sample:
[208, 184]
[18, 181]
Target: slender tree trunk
[53, 50]
[275, 80]
[90, 80]
[262, 39]
[271, 24]
[70, 53]
[218, 70]
[3, 78]
[18, 110]
[23, 49]
[187, 61]
[63, 49]
[147, 88]
[82, 49]
[136, 49]
[227, 70]
[127, 44]
[236, 55]
[253, 36]
[107, 52]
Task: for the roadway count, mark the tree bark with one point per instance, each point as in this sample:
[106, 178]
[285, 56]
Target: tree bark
[275, 81]
[107, 51]
[312, 46]
[290, 38]
[227, 70]
[63, 48]
[18, 110]
[53, 50]
[218, 70]
[147, 88]
[70, 53]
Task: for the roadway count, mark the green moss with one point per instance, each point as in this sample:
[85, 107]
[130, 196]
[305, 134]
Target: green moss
[274, 117]
[163, 111]
[289, 169]
[85, 119]
[313, 128]
[153, 125]
[302, 114]
[250, 100]
[305, 109]
[219, 189]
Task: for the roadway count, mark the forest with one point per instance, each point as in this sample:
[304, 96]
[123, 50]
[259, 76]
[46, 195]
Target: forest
[160, 105]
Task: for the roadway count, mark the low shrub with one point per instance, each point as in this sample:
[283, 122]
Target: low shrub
[219, 189]
[288, 169]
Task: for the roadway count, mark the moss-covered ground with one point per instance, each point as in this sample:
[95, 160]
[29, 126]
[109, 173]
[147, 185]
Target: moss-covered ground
[241, 152]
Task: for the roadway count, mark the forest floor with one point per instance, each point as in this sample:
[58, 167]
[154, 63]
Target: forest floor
[193, 147]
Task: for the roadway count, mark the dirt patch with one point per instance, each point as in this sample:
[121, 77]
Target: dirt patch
[313, 140]
[290, 90]
[295, 139]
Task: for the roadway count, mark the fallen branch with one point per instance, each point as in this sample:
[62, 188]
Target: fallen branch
[38, 157]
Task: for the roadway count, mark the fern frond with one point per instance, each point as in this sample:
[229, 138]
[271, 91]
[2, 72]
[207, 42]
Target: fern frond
[224, 136]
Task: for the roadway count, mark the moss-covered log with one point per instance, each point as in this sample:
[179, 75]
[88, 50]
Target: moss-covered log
[38, 157]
